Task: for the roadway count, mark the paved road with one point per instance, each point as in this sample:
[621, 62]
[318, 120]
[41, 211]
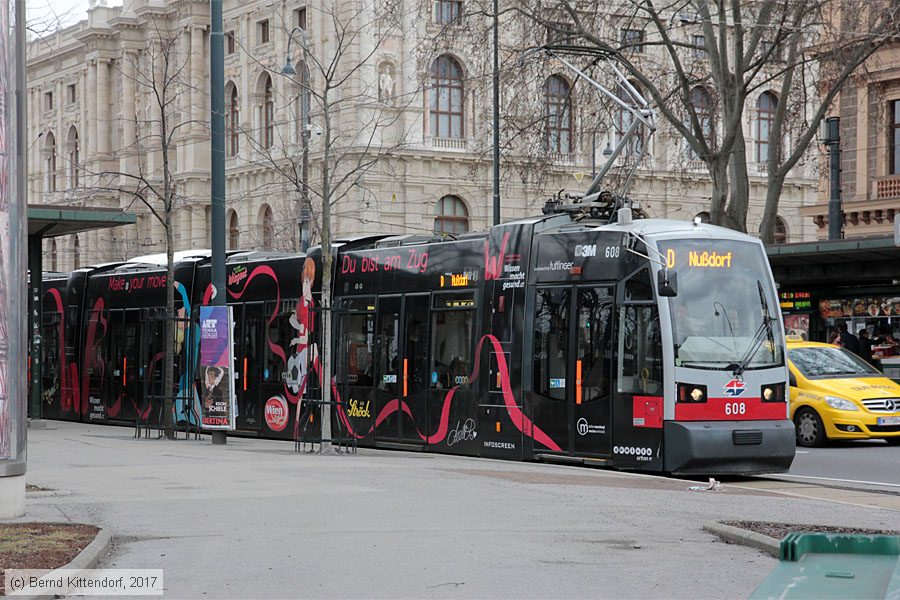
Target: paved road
[857, 464]
[254, 519]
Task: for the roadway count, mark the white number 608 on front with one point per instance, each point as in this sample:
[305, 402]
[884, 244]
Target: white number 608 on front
[735, 408]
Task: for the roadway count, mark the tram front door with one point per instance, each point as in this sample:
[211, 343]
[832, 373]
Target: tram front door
[572, 368]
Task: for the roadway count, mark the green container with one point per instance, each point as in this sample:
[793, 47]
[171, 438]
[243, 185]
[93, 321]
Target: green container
[821, 565]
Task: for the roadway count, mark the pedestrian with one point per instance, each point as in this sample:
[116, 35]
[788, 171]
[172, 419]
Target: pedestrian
[865, 348]
[835, 337]
[848, 340]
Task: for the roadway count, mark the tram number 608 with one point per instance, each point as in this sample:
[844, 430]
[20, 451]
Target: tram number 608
[735, 408]
[612, 252]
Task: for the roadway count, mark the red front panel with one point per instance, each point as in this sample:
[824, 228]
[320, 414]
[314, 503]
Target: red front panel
[730, 409]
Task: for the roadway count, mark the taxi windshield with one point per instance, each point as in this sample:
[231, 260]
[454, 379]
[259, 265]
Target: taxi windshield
[830, 362]
[724, 313]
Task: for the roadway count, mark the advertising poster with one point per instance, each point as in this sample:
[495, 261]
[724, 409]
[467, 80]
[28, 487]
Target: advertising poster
[797, 325]
[217, 397]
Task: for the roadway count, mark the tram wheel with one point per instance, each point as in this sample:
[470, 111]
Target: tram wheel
[810, 430]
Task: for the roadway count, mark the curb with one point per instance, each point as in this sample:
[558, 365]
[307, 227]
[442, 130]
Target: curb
[86, 559]
[736, 535]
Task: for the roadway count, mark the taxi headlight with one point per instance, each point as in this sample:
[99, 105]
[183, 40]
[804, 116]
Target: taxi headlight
[840, 403]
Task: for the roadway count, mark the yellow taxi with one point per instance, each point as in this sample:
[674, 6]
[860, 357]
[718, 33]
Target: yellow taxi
[837, 395]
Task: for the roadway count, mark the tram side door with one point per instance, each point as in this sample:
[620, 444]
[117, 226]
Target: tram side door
[572, 367]
[249, 363]
[592, 363]
[414, 368]
[388, 367]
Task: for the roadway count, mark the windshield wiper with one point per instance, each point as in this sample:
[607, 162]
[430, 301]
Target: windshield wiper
[756, 342]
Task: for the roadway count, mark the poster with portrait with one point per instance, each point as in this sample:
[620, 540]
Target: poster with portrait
[217, 396]
[797, 325]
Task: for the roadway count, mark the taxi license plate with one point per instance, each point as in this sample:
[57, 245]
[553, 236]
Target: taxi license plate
[889, 420]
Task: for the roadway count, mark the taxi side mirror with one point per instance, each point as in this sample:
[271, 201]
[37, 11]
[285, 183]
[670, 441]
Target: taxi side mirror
[792, 379]
[667, 283]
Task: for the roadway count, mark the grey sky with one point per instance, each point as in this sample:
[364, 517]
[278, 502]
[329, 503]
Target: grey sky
[47, 15]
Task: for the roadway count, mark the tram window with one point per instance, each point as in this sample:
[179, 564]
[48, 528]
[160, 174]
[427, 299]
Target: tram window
[452, 348]
[360, 340]
[388, 350]
[638, 287]
[640, 351]
[280, 334]
[50, 346]
[594, 332]
[251, 349]
[551, 348]
[454, 300]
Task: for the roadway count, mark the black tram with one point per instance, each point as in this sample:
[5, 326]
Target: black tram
[548, 338]
[651, 345]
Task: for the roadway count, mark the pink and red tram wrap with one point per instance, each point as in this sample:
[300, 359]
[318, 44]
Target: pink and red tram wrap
[545, 338]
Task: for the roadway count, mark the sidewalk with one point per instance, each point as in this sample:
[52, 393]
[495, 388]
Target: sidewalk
[254, 519]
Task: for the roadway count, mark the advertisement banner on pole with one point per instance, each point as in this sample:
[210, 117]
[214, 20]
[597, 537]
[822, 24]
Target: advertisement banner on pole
[217, 396]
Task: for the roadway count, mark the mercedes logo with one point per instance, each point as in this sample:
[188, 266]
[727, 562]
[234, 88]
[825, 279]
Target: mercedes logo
[890, 405]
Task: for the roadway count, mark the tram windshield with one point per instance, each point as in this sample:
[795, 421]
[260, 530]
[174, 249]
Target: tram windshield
[724, 314]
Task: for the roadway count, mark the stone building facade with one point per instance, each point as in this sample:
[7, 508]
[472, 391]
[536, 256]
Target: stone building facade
[869, 110]
[419, 100]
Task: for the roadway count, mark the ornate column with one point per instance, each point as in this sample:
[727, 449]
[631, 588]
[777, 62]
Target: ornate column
[103, 113]
[129, 153]
[90, 130]
[198, 54]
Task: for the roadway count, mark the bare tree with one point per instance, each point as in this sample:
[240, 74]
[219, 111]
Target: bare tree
[154, 77]
[354, 116]
[806, 49]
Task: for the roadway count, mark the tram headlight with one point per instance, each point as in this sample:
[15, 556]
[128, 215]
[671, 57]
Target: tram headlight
[772, 393]
[840, 403]
[689, 392]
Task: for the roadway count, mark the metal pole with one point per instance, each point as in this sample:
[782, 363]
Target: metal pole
[835, 212]
[217, 166]
[304, 145]
[34, 242]
[496, 115]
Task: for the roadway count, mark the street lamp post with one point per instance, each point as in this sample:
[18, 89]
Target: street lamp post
[288, 69]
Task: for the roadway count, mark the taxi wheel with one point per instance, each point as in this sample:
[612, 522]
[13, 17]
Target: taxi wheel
[810, 431]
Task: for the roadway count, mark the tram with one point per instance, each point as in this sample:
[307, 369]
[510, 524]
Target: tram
[640, 344]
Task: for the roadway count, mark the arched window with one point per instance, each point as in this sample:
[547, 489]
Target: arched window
[635, 146]
[765, 117]
[451, 216]
[558, 115]
[268, 114]
[233, 119]
[76, 252]
[703, 216]
[50, 163]
[702, 104]
[72, 156]
[446, 98]
[53, 256]
[267, 224]
[234, 232]
[781, 233]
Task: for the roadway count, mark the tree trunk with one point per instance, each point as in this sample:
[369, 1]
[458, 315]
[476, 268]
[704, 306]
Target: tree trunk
[325, 356]
[739, 180]
[770, 213]
[169, 362]
[718, 171]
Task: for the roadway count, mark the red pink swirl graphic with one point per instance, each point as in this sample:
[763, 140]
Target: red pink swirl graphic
[522, 423]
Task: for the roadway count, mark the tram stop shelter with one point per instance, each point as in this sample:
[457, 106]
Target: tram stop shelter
[48, 221]
[856, 281]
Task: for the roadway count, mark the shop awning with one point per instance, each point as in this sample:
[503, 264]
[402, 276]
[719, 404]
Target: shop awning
[863, 261]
